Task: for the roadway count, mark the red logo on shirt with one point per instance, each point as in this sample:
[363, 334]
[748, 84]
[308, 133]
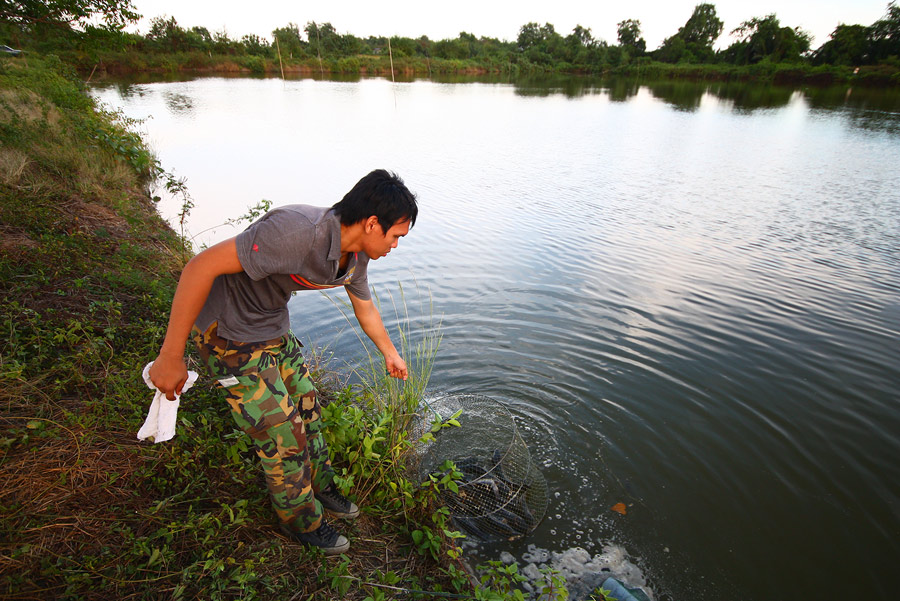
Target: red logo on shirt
[256, 248]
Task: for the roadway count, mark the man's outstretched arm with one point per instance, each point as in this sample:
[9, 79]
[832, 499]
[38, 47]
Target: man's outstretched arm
[370, 321]
[169, 372]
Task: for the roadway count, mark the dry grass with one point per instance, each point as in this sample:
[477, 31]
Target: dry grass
[12, 165]
[27, 106]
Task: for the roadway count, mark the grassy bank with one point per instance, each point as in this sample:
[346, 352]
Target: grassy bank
[886, 75]
[129, 63]
[88, 270]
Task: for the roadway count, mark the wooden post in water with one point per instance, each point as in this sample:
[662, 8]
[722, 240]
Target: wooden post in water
[280, 64]
[319, 50]
[391, 56]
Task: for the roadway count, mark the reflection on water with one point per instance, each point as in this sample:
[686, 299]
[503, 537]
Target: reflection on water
[686, 293]
[179, 103]
[871, 108]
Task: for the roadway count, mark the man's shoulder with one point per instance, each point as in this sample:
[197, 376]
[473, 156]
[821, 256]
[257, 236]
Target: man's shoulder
[301, 213]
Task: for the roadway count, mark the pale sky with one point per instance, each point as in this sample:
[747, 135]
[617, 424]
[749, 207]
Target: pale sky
[414, 18]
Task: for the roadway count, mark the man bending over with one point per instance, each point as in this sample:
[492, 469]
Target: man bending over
[232, 299]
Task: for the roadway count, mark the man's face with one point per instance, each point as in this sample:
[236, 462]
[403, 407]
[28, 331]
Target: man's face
[379, 243]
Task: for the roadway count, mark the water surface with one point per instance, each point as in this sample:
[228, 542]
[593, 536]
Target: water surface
[689, 295]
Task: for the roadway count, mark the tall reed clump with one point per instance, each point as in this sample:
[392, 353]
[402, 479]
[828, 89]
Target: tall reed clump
[420, 340]
[368, 429]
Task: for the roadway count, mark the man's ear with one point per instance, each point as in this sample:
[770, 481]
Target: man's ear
[371, 223]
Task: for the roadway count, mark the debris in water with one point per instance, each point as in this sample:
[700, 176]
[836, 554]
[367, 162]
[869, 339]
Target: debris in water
[582, 571]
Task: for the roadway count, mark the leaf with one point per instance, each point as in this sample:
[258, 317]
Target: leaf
[619, 508]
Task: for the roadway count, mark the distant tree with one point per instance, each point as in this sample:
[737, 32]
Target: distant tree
[222, 44]
[166, 35]
[255, 45]
[496, 49]
[630, 36]
[202, 38]
[582, 35]
[451, 49]
[540, 43]
[318, 36]
[401, 46]
[470, 42]
[672, 50]
[703, 27]
[617, 55]
[532, 35]
[693, 42]
[848, 45]
[765, 38]
[578, 45]
[885, 34]
[425, 46]
[290, 44]
[375, 44]
[324, 40]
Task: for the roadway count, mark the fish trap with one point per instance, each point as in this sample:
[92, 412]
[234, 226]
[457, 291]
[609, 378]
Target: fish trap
[501, 493]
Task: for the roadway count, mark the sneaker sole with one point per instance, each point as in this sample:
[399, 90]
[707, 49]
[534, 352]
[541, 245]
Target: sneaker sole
[342, 544]
[346, 516]
[341, 547]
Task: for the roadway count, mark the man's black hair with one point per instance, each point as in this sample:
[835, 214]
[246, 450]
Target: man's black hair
[382, 194]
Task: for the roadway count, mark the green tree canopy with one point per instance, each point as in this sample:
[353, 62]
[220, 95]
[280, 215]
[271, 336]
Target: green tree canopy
[70, 13]
[694, 40]
[324, 40]
[765, 38]
[630, 36]
[532, 35]
[541, 43]
[703, 27]
[166, 34]
[885, 33]
[289, 42]
[849, 45]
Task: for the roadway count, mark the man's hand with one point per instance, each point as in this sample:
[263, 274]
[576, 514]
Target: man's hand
[169, 374]
[370, 322]
[396, 366]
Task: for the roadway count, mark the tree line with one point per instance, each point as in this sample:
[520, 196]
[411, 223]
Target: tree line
[99, 25]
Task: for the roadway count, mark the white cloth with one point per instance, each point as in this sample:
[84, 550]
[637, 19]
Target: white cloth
[160, 422]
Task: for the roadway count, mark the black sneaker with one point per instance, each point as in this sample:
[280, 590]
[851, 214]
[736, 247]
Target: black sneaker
[324, 537]
[337, 503]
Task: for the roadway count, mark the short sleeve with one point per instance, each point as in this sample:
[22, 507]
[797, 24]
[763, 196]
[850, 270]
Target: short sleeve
[278, 243]
[359, 282]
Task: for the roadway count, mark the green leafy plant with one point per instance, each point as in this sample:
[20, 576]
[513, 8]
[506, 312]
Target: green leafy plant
[500, 581]
[601, 594]
[552, 585]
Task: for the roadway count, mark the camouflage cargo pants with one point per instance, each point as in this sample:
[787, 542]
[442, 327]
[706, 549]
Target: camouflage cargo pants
[271, 397]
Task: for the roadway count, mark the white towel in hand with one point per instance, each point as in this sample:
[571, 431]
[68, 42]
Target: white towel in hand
[160, 422]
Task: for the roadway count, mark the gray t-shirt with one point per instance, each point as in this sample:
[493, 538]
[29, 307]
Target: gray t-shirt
[294, 247]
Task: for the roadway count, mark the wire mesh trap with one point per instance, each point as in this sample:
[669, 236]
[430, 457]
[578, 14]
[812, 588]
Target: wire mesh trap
[501, 492]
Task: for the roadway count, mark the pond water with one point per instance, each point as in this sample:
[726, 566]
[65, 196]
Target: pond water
[688, 295]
